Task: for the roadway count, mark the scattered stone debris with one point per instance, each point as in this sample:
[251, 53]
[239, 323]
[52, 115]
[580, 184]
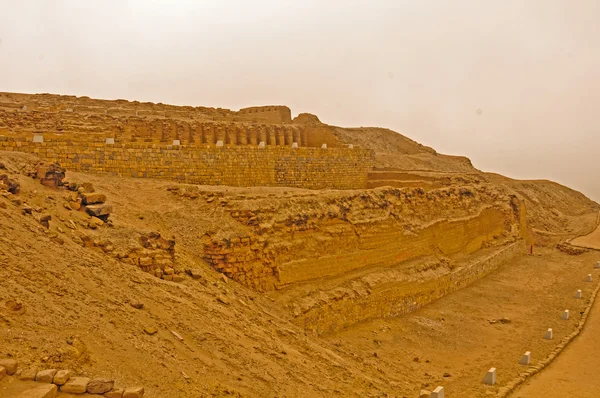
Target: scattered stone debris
[501, 320]
[570, 249]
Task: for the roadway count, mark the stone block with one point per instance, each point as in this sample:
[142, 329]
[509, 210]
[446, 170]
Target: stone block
[565, 315]
[75, 385]
[110, 141]
[45, 376]
[548, 334]
[294, 145]
[597, 265]
[588, 278]
[28, 374]
[262, 144]
[62, 376]
[11, 366]
[2, 372]
[219, 144]
[99, 210]
[116, 393]
[350, 146]
[438, 392]
[578, 294]
[176, 143]
[324, 146]
[93, 198]
[526, 359]
[40, 391]
[490, 377]
[133, 392]
[100, 386]
[425, 394]
[38, 138]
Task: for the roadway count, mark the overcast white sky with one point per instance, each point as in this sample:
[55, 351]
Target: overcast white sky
[420, 67]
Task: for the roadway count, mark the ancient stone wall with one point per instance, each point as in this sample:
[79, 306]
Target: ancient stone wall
[312, 168]
[396, 298]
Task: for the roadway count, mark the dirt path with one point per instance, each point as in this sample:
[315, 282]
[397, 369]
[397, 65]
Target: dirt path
[574, 373]
[591, 241]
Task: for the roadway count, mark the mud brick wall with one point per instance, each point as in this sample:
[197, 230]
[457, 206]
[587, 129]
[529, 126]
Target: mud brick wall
[387, 301]
[312, 168]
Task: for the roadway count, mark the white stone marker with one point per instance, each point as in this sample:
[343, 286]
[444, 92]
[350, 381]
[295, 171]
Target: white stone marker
[490, 377]
[526, 359]
[597, 265]
[109, 141]
[219, 143]
[176, 143]
[578, 294]
[589, 278]
[324, 146]
[294, 145]
[350, 146]
[438, 392]
[261, 144]
[548, 335]
[38, 138]
[565, 315]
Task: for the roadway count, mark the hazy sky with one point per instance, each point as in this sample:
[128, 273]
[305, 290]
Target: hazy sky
[420, 67]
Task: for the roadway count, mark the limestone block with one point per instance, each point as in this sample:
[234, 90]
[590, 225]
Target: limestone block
[116, 393]
[565, 315]
[10, 365]
[425, 394]
[99, 210]
[133, 392]
[597, 265]
[40, 391]
[2, 372]
[219, 143]
[62, 376]
[100, 386]
[438, 392]
[578, 294]
[526, 359]
[110, 141]
[490, 377]
[45, 376]
[262, 144]
[324, 146]
[294, 145]
[548, 335]
[92, 198]
[350, 146]
[176, 143]
[588, 278]
[28, 374]
[76, 385]
[38, 138]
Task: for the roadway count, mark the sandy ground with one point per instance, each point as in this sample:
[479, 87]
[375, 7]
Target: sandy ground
[453, 336]
[575, 372]
[591, 241]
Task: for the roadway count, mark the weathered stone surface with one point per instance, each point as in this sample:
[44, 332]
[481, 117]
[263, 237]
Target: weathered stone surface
[133, 392]
[28, 374]
[116, 393]
[62, 376]
[95, 222]
[99, 210]
[2, 372]
[76, 385]
[93, 198]
[45, 376]
[138, 305]
[11, 365]
[100, 386]
[40, 391]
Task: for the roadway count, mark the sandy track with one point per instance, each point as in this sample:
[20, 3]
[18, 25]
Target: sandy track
[592, 240]
[574, 372]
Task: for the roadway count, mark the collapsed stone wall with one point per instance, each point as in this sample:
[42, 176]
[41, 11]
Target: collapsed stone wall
[304, 239]
[312, 168]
